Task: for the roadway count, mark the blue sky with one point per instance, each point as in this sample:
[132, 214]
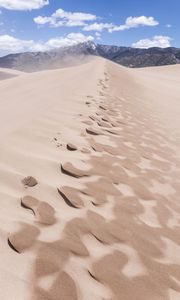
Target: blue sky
[30, 25]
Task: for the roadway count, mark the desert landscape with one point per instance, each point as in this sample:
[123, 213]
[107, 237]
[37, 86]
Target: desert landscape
[90, 182]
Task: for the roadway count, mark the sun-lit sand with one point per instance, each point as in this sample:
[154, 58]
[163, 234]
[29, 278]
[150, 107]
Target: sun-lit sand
[7, 73]
[90, 183]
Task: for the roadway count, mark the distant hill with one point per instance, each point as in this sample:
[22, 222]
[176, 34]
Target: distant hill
[126, 56]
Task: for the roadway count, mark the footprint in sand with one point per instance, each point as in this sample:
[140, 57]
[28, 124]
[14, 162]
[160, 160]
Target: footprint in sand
[42, 210]
[70, 170]
[104, 124]
[29, 181]
[71, 147]
[105, 119]
[92, 276]
[102, 107]
[85, 150]
[96, 147]
[93, 131]
[24, 238]
[65, 286]
[93, 118]
[71, 196]
[112, 132]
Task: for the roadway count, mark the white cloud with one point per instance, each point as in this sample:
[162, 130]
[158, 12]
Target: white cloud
[98, 36]
[70, 40]
[41, 20]
[168, 25]
[134, 22]
[157, 41]
[10, 44]
[63, 18]
[98, 26]
[23, 4]
[131, 22]
[70, 19]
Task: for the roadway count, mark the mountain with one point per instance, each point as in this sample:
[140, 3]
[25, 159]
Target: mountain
[126, 56]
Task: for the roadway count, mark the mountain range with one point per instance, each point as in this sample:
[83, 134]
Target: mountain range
[126, 56]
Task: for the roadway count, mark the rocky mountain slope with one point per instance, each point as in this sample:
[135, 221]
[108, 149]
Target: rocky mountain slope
[126, 56]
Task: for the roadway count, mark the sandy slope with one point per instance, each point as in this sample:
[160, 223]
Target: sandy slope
[161, 88]
[102, 222]
[8, 73]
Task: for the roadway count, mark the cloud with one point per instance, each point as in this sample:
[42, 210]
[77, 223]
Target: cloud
[157, 41]
[168, 25]
[23, 4]
[70, 40]
[10, 44]
[98, 26]
[134, 22]
[64, 18]
[69, 19]
[98, 36]
[131, 22]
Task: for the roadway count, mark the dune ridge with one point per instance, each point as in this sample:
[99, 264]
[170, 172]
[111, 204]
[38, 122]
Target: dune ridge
[102, 221]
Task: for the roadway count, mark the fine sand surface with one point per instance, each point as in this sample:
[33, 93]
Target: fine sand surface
[99, 218]
[8, 73]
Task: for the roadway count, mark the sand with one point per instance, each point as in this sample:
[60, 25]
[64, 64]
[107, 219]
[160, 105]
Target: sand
[8, 73]
[89, 184]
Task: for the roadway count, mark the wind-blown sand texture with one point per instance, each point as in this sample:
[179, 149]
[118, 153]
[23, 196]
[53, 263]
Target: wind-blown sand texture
[7, 73]
[102, 220]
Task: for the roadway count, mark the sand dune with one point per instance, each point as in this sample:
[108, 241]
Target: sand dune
[9, 73]
[89, 184]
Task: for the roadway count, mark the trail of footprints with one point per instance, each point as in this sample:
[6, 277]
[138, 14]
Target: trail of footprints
[132, 138]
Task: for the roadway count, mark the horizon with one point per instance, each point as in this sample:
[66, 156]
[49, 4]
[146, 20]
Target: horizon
[42, 25]
[95, 43]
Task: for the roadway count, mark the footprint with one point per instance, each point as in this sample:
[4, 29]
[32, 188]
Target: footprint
[105, 118]
[97, 147]
[93, 118]
[104, 124]
[70, 170]
[92, 276]
[93, 131]
[29, 203]
[112, 132]
[42, 210]
[85, 150]
[12, 247]
[24, 238]
[71, 147]
[102, 107]
[29, 181]
[114, 124]
[71, 196]
[64, 286]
